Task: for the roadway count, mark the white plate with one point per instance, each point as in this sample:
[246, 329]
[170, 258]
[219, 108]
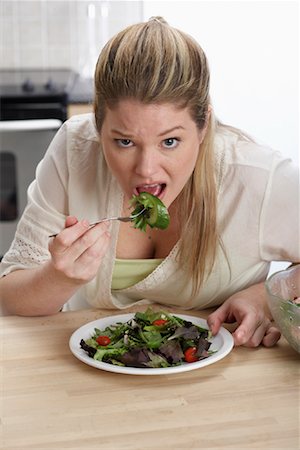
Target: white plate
[222, 344]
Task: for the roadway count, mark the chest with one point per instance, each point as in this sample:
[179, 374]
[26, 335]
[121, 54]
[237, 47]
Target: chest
[135, 244]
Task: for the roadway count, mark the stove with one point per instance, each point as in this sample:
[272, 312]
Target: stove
[35, 93]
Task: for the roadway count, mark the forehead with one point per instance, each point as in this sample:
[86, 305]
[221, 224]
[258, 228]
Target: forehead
[133, 113]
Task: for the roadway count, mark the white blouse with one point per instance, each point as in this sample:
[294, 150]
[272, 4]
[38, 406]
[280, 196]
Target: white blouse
[258, 218]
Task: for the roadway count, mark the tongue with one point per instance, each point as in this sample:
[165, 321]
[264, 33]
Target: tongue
[154, 190]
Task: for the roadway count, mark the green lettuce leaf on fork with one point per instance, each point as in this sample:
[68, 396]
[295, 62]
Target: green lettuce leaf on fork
[155, 215]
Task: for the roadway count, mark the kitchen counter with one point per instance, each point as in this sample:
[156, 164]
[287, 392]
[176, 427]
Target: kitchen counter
[51, 400]
[79, 108]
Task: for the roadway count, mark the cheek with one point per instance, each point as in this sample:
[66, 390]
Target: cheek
[112, 162]
[119, 167]
[112, 159]
[187, 164]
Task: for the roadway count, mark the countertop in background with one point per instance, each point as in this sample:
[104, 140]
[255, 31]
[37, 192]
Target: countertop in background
[82, 91]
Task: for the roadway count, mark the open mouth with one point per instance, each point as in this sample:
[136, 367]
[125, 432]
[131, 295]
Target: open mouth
[154, 189]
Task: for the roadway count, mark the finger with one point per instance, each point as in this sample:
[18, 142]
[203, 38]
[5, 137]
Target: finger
[87, 265]
[265, 334]
[70, 220]
[86, 241]
[271, 337]
[217, 318]
[92, 244]
[247, 328]
[68, 236]
[80, 263]
[257, 336]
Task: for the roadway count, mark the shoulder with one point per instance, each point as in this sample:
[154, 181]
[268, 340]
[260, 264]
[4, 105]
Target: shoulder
[251, 171]
[76, 146]
[79, 140]
[77, 133]
[82, 127]
[240, 157]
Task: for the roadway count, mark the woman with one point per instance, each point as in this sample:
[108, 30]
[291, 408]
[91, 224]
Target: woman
[232, 202]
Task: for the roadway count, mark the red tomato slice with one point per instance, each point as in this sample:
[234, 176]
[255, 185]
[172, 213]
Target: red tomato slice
[190, 355]
[103, 340]
[159, 322]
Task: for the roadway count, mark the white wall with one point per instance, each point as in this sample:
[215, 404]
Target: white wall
[60, 33]
[253, 51]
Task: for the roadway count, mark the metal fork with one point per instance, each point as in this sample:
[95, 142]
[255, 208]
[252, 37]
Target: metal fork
[106, 219]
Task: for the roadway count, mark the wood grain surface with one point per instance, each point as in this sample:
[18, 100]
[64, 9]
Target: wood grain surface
[51, 400]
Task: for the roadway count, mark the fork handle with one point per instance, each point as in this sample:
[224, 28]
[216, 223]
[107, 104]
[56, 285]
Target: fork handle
[121, 219]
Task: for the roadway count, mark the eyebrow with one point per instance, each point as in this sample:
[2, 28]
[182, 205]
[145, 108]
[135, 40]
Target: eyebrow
[121, 133]
[179, 127]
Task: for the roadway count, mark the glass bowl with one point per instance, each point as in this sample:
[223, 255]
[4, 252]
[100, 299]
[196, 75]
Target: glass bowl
[283, 288]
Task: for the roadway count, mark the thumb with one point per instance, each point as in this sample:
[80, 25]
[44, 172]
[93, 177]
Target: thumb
[217, 318]
[70, 221]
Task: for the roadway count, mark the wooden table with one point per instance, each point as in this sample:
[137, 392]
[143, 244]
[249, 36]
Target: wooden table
[51, 400]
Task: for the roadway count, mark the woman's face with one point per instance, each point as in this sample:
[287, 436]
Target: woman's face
[150, 148]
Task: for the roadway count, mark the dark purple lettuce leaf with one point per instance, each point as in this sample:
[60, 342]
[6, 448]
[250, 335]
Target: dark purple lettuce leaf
[156, 360]
[190, 332]
[172, 351]
[202, 347]
[137, 357]
[90, 350]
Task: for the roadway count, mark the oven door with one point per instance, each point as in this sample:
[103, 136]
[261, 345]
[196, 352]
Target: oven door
[22, 145]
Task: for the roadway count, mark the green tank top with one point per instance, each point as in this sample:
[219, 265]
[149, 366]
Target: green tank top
[128, 272]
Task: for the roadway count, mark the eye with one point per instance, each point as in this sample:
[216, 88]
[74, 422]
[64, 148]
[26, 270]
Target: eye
[124, 143]
[170, 142]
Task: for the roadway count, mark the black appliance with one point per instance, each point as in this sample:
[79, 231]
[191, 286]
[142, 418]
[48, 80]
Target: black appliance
[35, 93]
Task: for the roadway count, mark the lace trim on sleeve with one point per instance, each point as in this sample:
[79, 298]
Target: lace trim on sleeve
[26, 252]
[23, 254]
[29, 248]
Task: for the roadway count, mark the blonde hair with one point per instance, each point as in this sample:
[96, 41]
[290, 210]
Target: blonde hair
[156, 63]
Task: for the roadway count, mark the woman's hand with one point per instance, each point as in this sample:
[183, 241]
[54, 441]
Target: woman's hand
[77, 251]
[248, 308]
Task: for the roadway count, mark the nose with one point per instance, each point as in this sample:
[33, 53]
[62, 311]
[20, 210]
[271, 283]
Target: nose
[146, 162]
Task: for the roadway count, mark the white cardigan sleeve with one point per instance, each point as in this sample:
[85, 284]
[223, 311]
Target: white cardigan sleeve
[279, 224]
[45, 211]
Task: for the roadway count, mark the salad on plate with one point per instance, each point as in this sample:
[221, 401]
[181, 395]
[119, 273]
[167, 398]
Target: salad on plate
[150, 339]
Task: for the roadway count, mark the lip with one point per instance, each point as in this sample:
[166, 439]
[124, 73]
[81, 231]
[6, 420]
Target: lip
[157, 189]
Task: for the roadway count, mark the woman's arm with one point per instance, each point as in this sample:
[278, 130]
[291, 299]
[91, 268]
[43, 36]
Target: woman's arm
[34, 292]
[278, 241]
[76, 254]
